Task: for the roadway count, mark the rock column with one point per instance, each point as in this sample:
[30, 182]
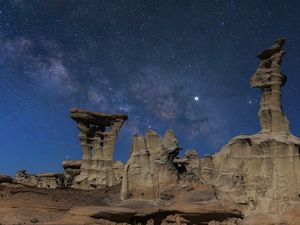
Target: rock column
[98, 136]
[269, 79]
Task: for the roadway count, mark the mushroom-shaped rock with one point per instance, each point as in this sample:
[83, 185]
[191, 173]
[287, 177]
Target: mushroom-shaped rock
[98, 134]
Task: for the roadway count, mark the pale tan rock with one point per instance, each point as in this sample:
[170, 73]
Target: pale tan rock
[207, 169]
[28, 180]
[229, 221]
[186, 206]
[150, 166]
[253, 180]
[118, 169]
[98, 136]
[269, 79]
[175, 220]
[42, 180]
[291, 217]
[189, 167]
[261, 172]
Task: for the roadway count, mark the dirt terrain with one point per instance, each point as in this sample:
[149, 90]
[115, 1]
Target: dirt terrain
[27, 205]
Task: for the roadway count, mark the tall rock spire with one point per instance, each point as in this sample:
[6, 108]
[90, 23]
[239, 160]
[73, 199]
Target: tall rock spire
[269, 79]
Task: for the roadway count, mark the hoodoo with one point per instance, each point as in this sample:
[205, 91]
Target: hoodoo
[98, 136]
[269, 79]
[261, 171]
[252, 180]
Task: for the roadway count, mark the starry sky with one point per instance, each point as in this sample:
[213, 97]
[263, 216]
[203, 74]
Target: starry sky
[183, 65]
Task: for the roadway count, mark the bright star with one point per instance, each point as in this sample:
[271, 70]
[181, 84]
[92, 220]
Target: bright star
[196, 98]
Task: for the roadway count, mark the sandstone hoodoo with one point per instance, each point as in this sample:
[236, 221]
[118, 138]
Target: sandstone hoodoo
[261, 171]
[253, 180]
[269, 79]
[98, 136]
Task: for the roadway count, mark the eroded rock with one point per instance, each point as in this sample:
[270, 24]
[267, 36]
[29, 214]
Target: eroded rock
[42, 180]
[269, 79]
[98, 136]
[150, 166]
[261, 171]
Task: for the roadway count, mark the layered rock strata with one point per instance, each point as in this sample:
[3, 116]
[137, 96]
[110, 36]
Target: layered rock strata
[196, 204]
[269, 79]
[261, 171]
[42, 180]
[189, 167]
[256, 176]
[72, 169]
[98, 135]
[150, 167]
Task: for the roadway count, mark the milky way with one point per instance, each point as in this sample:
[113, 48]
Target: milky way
[180, 65]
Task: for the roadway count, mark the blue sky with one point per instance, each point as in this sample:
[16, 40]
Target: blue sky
[180, 65]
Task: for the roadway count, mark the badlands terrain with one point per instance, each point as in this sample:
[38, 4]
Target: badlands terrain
[253, 180]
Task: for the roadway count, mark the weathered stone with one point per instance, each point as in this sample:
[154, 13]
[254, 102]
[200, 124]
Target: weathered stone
[28, 180]
[291, 217]
[189, 167]
[118, 169]
[269, 79]
[98, 135]
[261, 172]
[150, 166]
[72, 169]
[207, 169]
[257, 175]
[116, 214]
[6, 179]
[42, 180]
[71, 164]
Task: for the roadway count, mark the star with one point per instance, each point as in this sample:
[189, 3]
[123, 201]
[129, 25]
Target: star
[155, 67]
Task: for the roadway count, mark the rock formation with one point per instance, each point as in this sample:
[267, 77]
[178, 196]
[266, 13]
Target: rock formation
[42, 180]
[269, 79]
[261, 171]
[98, 135]
[150, 166]
[185, 206]
[253, 176]
[189, 167]
[72, 169]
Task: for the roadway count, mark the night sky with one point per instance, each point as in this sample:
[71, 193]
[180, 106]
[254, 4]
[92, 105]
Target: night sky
[183, 65]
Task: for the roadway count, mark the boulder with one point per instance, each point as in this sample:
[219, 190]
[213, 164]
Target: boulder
[6, 179]
[71, 164]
